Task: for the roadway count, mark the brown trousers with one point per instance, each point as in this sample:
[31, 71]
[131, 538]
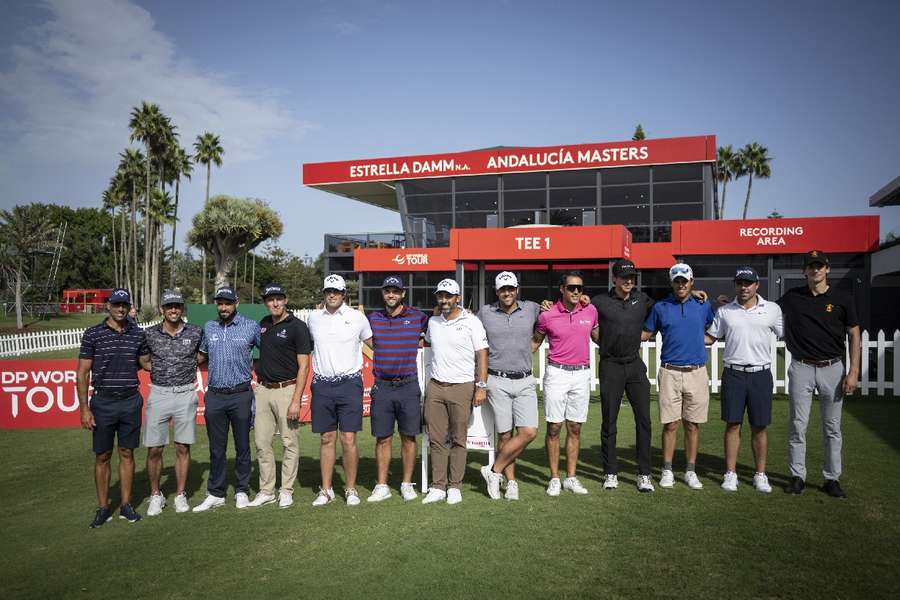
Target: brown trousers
[447, 410]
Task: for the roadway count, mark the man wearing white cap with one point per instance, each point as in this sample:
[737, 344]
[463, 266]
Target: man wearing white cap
[338, 333]
[458, 342]
[509, 323]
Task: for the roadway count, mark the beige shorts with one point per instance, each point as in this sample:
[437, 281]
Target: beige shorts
[683, 395]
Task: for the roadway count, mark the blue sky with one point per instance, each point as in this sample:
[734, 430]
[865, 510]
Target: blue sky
[291, 82]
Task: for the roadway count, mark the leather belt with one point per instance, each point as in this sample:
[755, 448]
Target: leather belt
[627, 360]
[277, 386]
[819, 363]
[682, 368]
[748, 368]
[447, 383]
[398, 380]
[241, 387]
[568, 367]
[509, 374]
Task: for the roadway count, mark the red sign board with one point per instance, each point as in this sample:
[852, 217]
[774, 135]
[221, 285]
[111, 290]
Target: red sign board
[403, 260]
[542, 243]
[515, 160]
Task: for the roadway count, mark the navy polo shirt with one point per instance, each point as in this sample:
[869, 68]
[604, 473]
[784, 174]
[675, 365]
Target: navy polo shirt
[115, 356]
[396, 341]
[682, 325]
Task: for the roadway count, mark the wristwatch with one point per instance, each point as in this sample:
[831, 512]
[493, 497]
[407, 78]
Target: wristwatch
[481, 385]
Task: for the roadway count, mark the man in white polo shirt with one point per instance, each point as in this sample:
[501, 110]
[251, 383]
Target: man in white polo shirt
[458, 341]
[338, 333]
[746, 324]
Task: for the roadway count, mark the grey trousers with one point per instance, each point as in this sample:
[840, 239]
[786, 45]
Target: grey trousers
[805, 380]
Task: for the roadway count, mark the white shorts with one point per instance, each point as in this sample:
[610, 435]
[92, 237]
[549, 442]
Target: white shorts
[566, 394]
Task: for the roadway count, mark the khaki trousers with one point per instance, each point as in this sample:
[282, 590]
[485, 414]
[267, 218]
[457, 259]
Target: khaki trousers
[271, 414]
[447, 410]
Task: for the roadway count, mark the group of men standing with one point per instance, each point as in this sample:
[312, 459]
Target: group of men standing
[475, 359]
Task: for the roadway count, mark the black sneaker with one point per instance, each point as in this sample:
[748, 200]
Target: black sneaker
[102, 515]
[795, 487]
[128, 513]
[833, 489]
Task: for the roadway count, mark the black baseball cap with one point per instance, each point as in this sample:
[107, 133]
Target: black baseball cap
[393, 281]
[119, 296]
[623, 268]
[746, 274]
[273, 289]
[171, 297]
[226, 293]
[815, 256]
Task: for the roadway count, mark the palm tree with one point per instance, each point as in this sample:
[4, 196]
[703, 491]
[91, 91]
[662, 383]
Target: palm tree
[183, 166]
[111, 201]
[727, 168]
[755, 160]
[207, 150]
[24, 230]
[131, 169]
[161, 211]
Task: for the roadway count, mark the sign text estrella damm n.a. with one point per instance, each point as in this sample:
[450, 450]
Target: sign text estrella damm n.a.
[771, 236]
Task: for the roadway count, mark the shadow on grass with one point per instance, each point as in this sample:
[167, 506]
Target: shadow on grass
[878, 415]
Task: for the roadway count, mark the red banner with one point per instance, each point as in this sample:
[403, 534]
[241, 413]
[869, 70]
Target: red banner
[542, 243]
[403, 260]
[41, 394]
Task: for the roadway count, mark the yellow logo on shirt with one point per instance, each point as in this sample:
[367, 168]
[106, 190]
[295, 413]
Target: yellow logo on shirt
[829, 307]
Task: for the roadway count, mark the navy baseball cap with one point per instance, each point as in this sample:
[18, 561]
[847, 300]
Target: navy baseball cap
[226, 293]
[273, 289]
[171, 297]
[746, 274]
[393, 281]
[119, 296]
[623, 268]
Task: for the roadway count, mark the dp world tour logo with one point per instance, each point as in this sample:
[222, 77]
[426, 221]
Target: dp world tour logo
[411, 259]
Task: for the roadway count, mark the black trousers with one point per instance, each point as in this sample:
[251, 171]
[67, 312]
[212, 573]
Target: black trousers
[617, 379]
[221, 412]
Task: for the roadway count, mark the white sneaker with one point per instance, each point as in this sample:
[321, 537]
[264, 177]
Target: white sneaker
[667, 478]
[493, 481]
[262, 498]
[324, 497]
[729, 482]
[381, 492]
[573, 485]
[554, 487]
[434, 495]
[408, 491]
[644, 484]
[512, 490]
[690, 478]
[454, 496]
[157, 504]
[285, 500]
[351, 497]
[611, 482]
[210, 502]
[761, 483]
[241, 500]
[181, 503]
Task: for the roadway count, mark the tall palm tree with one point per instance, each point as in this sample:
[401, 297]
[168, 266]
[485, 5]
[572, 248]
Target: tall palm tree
[112, 199]
[755, 161]
[131, 169]
[161, 210]
[183, 166]
[727, 167]
[207, 150]
[24, 230]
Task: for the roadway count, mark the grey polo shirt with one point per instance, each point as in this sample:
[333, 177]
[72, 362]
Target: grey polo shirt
[509, 335]
[174, 357]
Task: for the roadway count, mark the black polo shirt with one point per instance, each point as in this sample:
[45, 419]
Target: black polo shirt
[114, 355]
[621, 322]
[279, 346]
[815, 326]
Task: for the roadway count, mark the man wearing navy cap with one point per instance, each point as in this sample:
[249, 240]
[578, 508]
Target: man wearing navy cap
[111, 354]
[397, 334]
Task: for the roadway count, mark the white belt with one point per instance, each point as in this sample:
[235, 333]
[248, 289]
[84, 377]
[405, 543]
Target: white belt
[748, 368]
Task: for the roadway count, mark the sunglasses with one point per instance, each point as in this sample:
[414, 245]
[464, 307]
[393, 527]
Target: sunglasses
[574, 288]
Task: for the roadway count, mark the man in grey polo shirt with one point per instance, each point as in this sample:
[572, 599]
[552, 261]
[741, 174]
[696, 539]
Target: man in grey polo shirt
[173, 395]
[509, 323]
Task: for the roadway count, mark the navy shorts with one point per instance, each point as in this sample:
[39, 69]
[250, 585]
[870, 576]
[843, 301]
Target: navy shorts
[752, 391]
[337, 405]
[396, 403]
[116, 417]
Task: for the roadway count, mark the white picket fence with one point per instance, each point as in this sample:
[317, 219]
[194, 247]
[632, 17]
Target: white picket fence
[45, 341]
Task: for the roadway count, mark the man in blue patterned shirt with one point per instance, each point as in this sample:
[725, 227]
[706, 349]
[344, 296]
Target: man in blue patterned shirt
[227, 343]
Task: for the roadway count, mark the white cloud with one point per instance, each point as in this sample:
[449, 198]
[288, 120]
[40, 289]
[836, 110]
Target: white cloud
[74, 79]
[346, 28]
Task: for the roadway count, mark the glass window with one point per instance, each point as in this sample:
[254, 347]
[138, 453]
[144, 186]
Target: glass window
[640, 234]
[662, 233]
[425, 204]
[666, 213]
[573, 178]
[625, 175]
[677, 172]
[522, 200]
[627, 215]
[432, 229]
[440, 185]
[677, 192]
[343, 244]
[572, 216]
[342, 263]
[523, 181]
[627, 194]
[476, 201]
[522, 217]
[583, 197]
[474, 219]
[476, 183]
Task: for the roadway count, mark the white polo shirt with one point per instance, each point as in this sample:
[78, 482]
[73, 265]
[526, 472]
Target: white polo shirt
[747, 332]
[337, 340]
[453, 346]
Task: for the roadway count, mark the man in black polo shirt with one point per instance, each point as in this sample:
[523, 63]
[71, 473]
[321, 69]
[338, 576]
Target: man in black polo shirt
[817, 318]
[284, 348]
[111, 354]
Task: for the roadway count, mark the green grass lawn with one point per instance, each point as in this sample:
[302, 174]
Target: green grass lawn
[675, 543]
[51, 322]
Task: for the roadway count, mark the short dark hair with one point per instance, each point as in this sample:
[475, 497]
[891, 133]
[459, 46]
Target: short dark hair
[565, 276]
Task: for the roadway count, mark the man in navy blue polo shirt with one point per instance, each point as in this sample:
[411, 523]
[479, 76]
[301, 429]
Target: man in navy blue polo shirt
[683, 381]
[227, 342]
[111, 353]
[397, 334]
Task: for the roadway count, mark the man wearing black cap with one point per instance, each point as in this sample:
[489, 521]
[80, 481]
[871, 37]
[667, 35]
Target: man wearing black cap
[817, 318]
[111, 354]
[284, 349]
[227, 342]
[746, 324]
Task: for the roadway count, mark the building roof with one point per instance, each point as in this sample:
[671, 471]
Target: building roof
[889, 195]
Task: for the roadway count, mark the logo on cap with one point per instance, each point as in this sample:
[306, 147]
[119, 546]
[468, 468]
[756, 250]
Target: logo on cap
[335, 282]
[506, 279]
[448, 285]
[392, 281]
[680, 270]
[120, 296]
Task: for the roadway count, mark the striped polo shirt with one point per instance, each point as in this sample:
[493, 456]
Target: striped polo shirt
[228, 347]
[396, 341]
[115, 357]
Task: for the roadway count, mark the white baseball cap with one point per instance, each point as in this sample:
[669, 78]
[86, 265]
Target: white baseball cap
[681, 270]
[506, 279]
[447, 285]
[334, 282]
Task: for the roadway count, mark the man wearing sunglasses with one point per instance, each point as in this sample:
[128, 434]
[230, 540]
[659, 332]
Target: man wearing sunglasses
[570, 327]
[338, 332]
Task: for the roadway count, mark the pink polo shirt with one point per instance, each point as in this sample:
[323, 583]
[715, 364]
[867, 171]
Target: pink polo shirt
[569, 333]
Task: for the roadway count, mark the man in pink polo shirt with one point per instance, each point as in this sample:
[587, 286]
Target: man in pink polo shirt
[570, 326]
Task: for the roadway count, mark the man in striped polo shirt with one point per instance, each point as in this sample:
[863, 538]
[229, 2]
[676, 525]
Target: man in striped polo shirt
[398, 332]
[111, 353]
